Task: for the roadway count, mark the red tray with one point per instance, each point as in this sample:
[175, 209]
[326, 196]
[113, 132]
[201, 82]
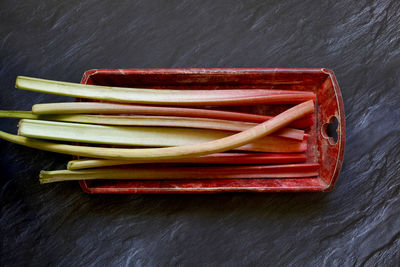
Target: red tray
[321, 147]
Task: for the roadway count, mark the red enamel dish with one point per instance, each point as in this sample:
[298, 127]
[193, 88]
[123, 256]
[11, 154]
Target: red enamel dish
[321, 147]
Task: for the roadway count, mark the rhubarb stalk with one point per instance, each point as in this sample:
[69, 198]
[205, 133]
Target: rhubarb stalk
[151, 173]
[115, 108]
[145, 136]
[164, 121]
[162, 96]
[217, 158]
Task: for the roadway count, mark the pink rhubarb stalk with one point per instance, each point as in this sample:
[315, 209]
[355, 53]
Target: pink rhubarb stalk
[217, 158]
[304, 170]
[164, 96]
[114, 108]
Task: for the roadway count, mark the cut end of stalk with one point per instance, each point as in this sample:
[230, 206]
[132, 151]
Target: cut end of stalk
[18, 82]
[43, 178]
[44, 181]
[70, 165]
[25, 83]
[19, 126]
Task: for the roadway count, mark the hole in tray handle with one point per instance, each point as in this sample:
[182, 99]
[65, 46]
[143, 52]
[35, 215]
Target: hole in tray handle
[330, 130]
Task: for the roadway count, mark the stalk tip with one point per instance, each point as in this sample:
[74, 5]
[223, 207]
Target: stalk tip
[18, 82]
[70, 165]
[19, 126]
[42, 178]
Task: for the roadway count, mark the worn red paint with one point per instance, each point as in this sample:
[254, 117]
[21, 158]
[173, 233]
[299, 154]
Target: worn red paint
[320, 149]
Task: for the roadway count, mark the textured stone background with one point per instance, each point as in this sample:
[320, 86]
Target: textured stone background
[57, 224]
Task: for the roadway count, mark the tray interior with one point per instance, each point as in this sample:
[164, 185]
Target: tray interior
[321, 147]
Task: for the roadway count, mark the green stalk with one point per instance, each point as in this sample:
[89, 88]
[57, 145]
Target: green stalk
[18, 114]
[143, 136]
[163, 96]
[164, 121]
[154, 154]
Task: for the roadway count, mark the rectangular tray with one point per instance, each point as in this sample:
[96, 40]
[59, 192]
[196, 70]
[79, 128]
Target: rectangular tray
[321, 147]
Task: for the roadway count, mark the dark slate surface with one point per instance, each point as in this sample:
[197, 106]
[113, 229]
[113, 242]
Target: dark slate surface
[57, 224]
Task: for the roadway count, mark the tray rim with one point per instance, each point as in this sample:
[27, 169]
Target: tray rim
[341, 130]
[325, 187]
